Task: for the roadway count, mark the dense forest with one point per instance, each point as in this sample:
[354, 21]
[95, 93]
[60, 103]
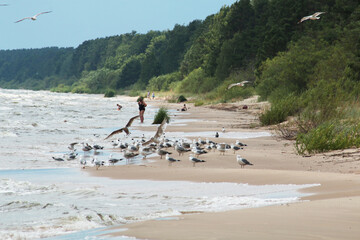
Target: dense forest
[308, 70]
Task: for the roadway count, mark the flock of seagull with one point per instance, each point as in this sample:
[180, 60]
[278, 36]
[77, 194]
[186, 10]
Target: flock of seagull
[158, 144]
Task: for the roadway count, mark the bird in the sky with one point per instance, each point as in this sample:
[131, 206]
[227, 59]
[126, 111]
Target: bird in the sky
[125, 129]
[239, 84]
[315, 16]
[33, 17]
[4, 5]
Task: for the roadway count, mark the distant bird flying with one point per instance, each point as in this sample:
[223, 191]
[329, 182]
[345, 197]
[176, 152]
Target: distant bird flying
[239, 84]
[315, 16]
[4, 5]
[33, 17]
[125, 129]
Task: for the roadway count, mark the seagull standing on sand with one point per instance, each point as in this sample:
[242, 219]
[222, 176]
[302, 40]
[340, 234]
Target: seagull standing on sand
[125, 129]
[222, 148]
[235, 148]
[181, 149]
[33, 17]
[239, 84]
[171, 160]
[315, 16]
[162, 152]
[242, 161]
[195, 160]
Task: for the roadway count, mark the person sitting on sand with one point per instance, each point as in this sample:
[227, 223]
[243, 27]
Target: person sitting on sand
[119, 107]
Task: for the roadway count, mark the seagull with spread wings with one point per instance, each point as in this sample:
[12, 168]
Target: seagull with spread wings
[33, 17]
[125, 129]
[158, 134]
[239, 84]
[314, 16]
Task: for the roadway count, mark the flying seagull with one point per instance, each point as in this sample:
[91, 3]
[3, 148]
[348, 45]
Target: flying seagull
[33, 17]
[125, 129]
[4, 5]
[239, 84]
[158, 133]
[311, 17]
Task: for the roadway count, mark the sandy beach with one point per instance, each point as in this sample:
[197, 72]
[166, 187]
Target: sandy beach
[331, 212]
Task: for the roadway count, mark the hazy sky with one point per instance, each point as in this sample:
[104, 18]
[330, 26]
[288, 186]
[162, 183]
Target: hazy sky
[73, 21]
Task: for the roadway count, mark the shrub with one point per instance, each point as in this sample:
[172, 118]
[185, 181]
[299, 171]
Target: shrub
[331, 135]
[181, 98]
[280, 110]
[161, 115]
[109, 93]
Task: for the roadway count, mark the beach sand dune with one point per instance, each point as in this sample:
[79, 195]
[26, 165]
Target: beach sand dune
[333, 212]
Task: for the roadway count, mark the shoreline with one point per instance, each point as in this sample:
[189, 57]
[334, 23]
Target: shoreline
[331, 212]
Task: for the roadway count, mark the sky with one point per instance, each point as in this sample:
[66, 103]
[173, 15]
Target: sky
[72, 22]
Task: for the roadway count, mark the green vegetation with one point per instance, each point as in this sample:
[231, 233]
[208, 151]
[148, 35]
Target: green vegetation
[160, 115]
[181, 98]
[110, 93]
[308, 72]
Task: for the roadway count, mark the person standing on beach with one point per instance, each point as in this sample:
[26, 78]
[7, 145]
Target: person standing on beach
[142, 106]
[148, 94]
[153, 95]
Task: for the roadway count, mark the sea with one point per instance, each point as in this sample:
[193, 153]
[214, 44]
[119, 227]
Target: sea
[41, 198]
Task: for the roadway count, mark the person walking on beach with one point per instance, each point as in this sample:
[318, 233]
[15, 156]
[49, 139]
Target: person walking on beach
[148, 94]
[142, 106]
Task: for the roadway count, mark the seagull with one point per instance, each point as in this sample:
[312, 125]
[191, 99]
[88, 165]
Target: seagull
[4, 5]
[181, 149]
[222, 148]
[129, 155]
[171, 160]
[72, 146]
[240, 143]
[112, 160]
[125, 129]
[59, 159]
[311, 17]
[97, 163]
[198, 151]
[71, 156]
[239, 84]
[33, 17]
[235, 148]
[86, 147]
[195, 160]
[242, 161]
[145, 151]
[158, 133]
[82, 161]
[162, 152]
